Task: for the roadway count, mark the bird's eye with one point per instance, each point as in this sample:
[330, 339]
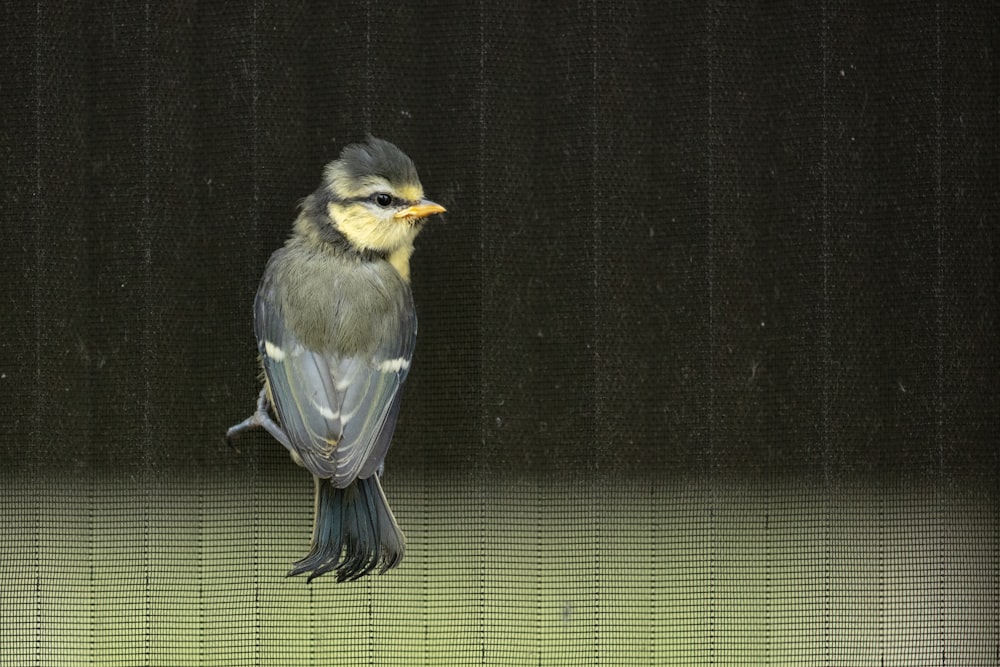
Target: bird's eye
[383, 199]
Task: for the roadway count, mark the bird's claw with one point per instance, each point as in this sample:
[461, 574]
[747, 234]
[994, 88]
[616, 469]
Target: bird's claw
[261, 418]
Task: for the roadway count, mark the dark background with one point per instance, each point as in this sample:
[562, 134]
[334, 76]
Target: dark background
[722, 236]
[725, 239]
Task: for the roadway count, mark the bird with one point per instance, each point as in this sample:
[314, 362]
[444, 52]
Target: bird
[336, 326]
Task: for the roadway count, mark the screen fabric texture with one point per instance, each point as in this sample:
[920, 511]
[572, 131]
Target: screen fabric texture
[707, 364]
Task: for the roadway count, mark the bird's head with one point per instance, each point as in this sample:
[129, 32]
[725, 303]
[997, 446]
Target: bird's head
[374, 197]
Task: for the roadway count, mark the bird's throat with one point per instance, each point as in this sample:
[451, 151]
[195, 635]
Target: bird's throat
[400, 260]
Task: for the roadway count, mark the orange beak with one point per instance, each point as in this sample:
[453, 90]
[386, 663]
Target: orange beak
[421, 210]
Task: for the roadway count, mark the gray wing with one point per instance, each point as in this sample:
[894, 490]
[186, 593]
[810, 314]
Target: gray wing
[339, 412]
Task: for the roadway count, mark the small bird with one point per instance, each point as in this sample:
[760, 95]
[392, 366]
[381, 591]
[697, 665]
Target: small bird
[336, 326]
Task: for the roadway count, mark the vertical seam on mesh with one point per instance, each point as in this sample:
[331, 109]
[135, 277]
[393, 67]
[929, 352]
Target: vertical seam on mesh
[480, 188]
[146, 345]
[369, 75]
[595, 352]
[939, 325]
[710, 271]
[255, 166]
[827, 359]
[36, 299]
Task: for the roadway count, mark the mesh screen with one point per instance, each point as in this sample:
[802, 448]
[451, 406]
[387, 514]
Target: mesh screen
[708, 354]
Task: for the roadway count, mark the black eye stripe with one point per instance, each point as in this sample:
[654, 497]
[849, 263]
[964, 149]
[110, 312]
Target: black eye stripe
[372, 199]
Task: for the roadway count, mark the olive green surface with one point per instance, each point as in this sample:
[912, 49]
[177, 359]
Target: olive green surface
[502, 572]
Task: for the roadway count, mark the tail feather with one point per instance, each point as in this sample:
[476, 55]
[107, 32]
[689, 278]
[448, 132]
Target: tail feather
[354, 532]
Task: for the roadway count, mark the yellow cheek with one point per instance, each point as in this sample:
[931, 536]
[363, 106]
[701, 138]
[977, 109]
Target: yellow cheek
[369, 233]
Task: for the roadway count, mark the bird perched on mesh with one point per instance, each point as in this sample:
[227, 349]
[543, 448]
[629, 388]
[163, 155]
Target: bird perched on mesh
[335, 327]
